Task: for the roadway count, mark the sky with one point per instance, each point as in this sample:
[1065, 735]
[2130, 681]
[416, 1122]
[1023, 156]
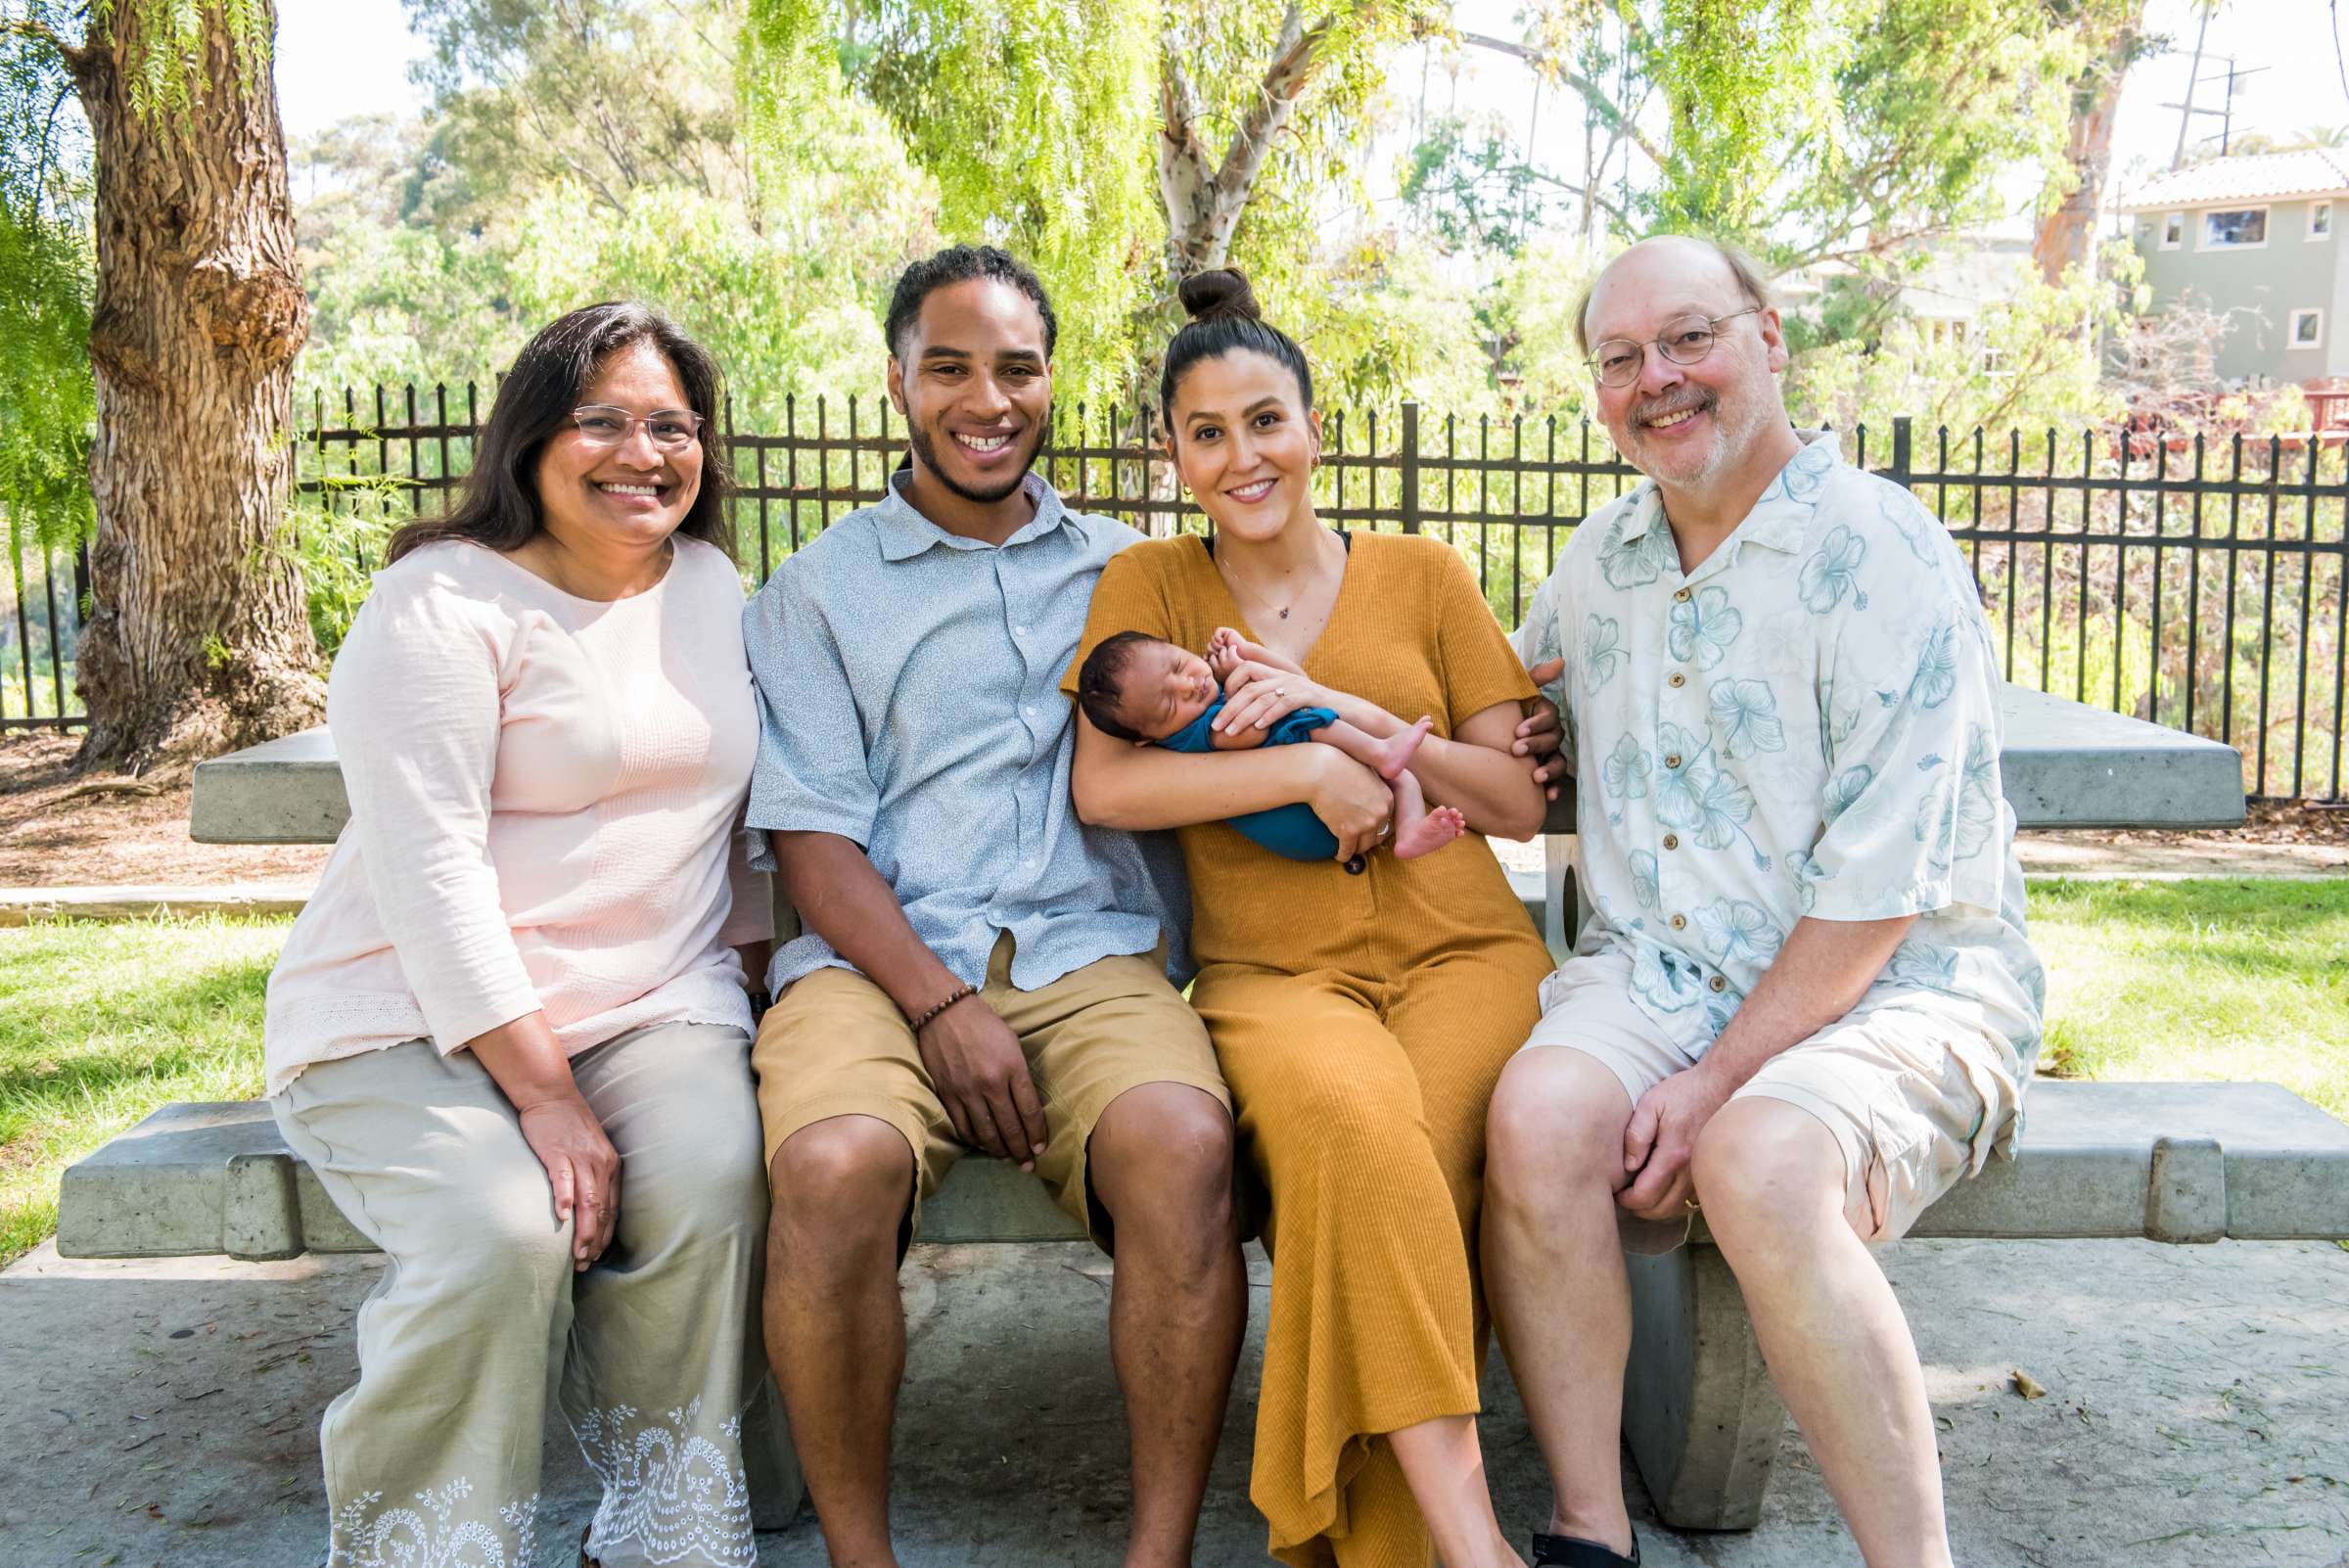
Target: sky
[336, 57]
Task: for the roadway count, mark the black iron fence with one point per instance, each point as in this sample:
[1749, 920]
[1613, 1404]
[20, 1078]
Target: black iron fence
[2198, 582]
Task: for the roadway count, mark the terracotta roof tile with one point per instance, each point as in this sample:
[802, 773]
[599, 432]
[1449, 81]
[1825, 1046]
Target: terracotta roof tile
[2270, 176]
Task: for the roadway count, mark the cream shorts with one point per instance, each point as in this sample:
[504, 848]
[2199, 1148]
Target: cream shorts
[1912, 1108]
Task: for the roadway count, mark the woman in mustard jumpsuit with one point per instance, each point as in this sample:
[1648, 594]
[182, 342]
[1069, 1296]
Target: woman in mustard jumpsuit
[1360, 1019]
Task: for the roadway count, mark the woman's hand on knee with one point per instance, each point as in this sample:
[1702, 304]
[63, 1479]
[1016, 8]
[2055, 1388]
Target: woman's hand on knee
[581, 1166]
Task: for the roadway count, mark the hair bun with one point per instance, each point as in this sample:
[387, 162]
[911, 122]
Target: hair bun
[1223, 294]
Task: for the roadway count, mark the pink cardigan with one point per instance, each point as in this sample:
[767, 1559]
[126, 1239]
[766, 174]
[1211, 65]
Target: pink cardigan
[545, 794]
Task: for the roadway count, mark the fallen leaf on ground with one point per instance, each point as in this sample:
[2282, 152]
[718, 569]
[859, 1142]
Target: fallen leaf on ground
[2026, 1386]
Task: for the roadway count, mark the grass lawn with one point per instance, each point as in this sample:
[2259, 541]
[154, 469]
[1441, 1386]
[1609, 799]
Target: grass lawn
[2198, 979]
[100, 1024]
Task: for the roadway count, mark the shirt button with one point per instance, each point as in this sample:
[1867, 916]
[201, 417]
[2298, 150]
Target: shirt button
[1673, 760]
[1679, 922]
[1717, 984]
[1029, 710]
[1672, 841]
[1681, 596]
[1020, 631]
[1676, 678]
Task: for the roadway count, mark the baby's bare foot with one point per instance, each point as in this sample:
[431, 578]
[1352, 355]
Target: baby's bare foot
[1401, 749]
[1433, 831]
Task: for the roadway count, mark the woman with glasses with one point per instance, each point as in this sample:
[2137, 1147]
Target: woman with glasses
[510, 1030]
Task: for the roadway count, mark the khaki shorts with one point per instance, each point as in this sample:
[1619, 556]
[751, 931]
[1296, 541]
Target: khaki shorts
[834, 1044]
[1911, 1109]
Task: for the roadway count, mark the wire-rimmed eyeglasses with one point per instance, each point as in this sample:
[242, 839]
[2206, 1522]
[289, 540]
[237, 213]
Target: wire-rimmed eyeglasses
[1684, 340]
[671, 430]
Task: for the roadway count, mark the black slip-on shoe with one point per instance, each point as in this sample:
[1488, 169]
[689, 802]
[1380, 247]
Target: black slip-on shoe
[1572, 1551]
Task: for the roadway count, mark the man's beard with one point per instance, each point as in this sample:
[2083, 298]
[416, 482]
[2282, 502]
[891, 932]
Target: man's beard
[926, 450]
[1731, 434]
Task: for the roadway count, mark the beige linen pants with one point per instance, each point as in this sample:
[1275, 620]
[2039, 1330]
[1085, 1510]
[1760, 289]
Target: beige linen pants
[432, 1456]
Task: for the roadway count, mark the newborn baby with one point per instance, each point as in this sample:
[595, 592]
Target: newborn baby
[1141, 689]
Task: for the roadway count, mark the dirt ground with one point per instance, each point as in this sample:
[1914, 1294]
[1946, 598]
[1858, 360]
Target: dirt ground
[59, 831]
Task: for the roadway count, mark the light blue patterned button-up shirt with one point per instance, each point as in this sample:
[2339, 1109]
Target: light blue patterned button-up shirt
[909, 700]
[1806, 725]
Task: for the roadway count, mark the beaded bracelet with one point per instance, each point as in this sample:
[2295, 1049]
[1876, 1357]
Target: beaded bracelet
[954, 997]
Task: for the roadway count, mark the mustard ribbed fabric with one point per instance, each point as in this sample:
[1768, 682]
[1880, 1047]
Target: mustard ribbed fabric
[1361, 1023]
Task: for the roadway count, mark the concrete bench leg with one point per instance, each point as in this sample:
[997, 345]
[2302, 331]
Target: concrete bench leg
[1703, 1421]
[770, 1460]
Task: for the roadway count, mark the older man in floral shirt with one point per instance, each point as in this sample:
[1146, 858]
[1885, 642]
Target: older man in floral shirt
[1805, 1001]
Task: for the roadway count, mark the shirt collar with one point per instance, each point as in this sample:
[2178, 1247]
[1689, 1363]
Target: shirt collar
[906, 534]
[1780, 518]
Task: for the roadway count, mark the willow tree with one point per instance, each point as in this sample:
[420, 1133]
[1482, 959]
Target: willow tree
[1118, 147]
[1850, 131]
[198, 636]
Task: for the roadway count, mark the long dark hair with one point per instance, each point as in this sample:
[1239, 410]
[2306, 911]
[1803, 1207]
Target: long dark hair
[1225, 319]
[498, 506]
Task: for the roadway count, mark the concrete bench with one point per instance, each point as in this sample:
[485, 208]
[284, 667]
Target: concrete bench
[2172, 1162]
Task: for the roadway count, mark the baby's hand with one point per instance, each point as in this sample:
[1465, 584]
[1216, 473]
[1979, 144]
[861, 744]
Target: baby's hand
[1223, 652]
[1227, 650]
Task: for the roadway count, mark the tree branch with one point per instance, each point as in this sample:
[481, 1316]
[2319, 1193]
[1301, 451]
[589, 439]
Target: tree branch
[40, 161]
[41, 33]
[1591, 93]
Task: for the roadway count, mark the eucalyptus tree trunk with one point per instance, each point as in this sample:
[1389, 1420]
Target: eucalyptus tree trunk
[198, 635]
[2066, 235]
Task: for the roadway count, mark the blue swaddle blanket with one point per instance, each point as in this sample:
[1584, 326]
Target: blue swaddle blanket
[1286, 830]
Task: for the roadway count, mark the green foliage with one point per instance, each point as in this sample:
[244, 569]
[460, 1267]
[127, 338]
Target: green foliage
[2030, 361]
[1030, 117]
[1817, 128]
[47, 269]
[1476, 190]
[106, 1023]
[169, 37]
[515, 203]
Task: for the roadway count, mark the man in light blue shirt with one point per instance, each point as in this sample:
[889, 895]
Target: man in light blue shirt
[978, 969]
[1805, 1001]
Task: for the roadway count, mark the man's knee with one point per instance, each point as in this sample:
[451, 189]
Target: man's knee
[1163, 1151]
[1765, 1169]
[1555, 1125]
[846, 1177]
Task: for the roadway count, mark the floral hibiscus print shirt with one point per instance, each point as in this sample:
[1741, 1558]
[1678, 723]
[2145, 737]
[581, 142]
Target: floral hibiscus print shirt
[1806, 725]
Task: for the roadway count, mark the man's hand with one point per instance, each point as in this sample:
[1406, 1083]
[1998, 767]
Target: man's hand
[1661, 1137]
[1539, 735]
[981, 1076]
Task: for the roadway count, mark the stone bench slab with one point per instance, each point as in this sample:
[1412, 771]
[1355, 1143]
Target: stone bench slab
[218, 1178]
[2176, 1162]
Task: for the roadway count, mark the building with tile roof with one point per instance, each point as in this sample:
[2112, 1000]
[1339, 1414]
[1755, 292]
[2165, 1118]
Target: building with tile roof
[2255, 240]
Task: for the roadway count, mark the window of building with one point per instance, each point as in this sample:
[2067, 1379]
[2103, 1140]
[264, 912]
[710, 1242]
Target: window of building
[2320, 220]
[2173, 230]
[2307, 329]
[2237, 228]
